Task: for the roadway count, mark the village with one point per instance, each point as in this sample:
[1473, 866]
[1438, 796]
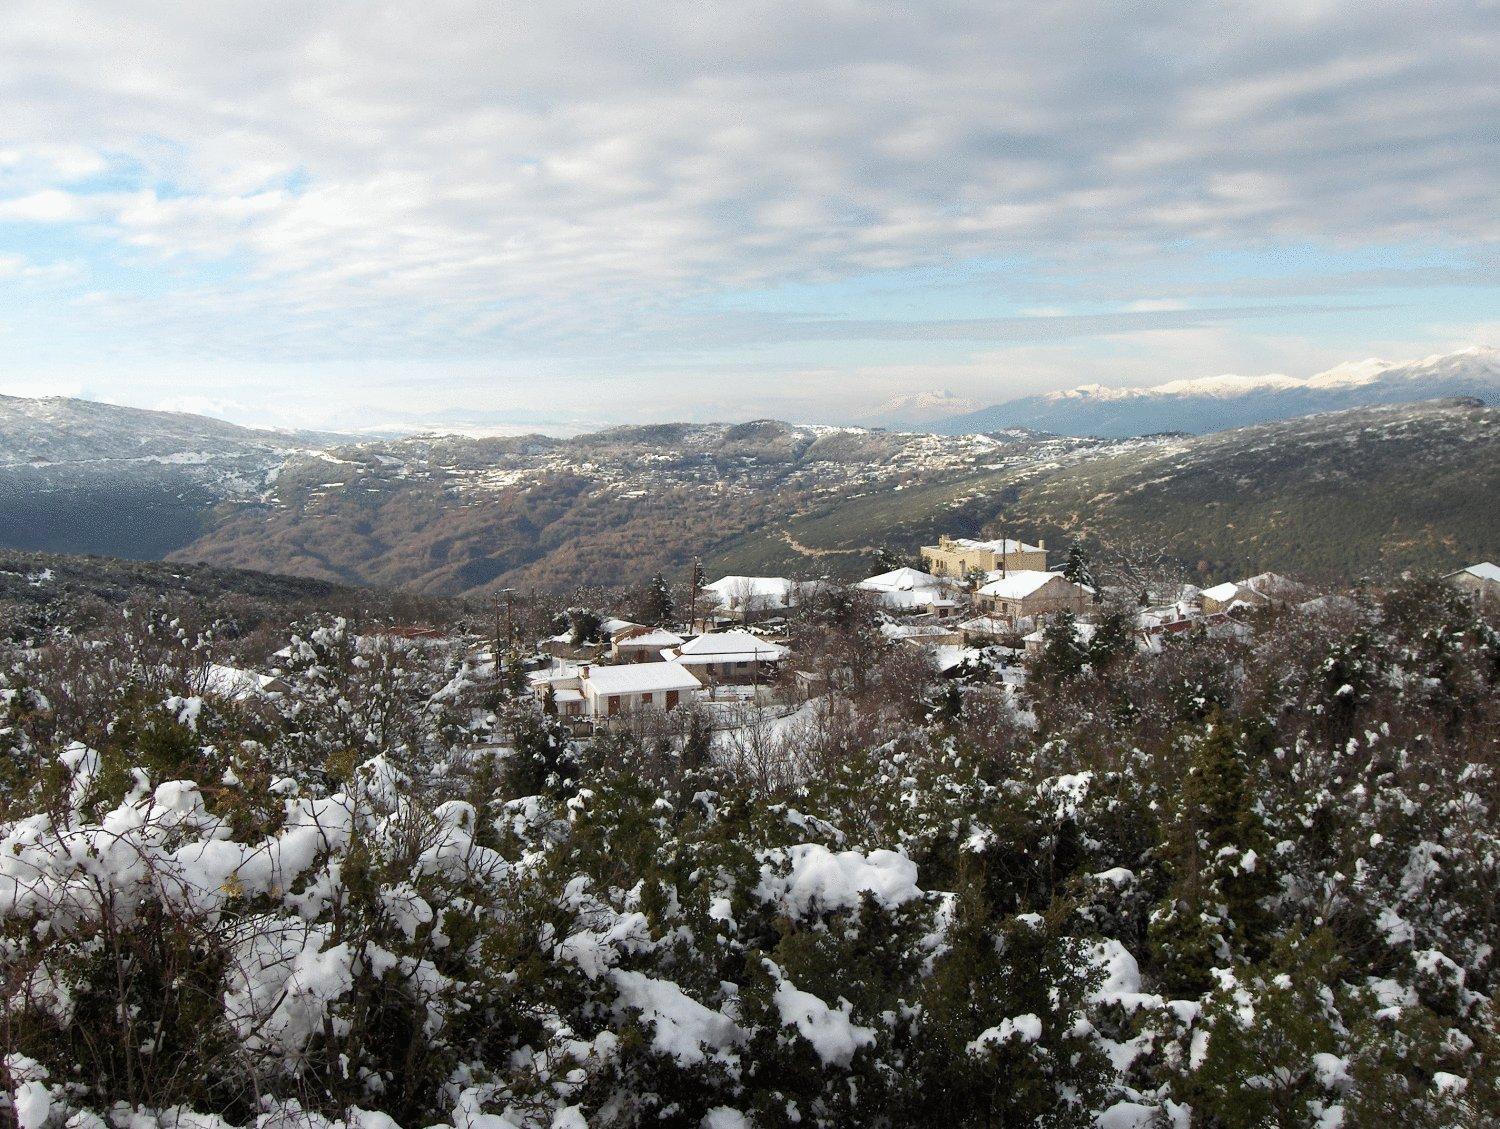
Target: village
[975, 612]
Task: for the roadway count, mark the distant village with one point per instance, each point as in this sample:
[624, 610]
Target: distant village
[975, 610]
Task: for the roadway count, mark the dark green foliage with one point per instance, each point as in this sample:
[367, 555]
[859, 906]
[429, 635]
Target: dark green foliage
[1077, 568]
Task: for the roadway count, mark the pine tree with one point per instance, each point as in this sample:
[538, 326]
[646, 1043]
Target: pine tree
[1063, 656]
[657, 605]
[1077, 569]
[1218, 854]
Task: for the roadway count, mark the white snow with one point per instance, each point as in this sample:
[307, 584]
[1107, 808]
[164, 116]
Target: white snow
[810, 876]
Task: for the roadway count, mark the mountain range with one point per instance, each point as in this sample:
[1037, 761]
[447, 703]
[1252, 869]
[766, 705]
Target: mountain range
[1219, 402]
[1340, 494]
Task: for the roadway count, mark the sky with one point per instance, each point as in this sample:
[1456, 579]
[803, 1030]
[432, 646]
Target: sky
[554, 216]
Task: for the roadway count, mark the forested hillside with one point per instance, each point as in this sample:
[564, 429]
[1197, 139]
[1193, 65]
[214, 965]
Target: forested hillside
[1369, 492]
[1248, 880]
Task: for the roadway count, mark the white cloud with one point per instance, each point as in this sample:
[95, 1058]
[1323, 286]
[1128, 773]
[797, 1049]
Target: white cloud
[433, 180]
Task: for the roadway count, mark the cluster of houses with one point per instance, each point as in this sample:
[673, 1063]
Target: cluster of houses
[968, 594]
[973, 603]
[969, 598]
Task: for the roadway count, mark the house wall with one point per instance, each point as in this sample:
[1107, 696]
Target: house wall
[1484, 592]
[736, 673]
[1053, 597]
[599, 705]
[953, 561]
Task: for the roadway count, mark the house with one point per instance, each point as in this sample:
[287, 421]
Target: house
[1258, 591]
[1168, 617]
[751, 598]
[912, 591]
[729, 656]
[602, 692]
[563, 647]
[637, 644]
[1029, 593]
[955, 557]
[1480, 581]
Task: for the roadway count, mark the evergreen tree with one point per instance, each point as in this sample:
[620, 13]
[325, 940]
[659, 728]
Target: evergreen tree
[1063, 656]
[657, 604]
[1218, 856]
[584, 626]
[1113, 640]
[1077, 569]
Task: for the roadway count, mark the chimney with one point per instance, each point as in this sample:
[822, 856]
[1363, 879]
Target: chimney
[583, 672]
[1040, 543]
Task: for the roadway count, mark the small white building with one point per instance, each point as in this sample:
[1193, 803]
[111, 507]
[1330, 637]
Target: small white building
[748, 598]
[730, 656]
[912, 591]
[600, 692]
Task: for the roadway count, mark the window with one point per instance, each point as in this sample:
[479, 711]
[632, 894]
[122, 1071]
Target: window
[671, 699]
[613, 706]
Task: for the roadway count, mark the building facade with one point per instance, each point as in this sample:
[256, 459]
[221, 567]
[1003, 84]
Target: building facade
[956, 557]
[1030, 594]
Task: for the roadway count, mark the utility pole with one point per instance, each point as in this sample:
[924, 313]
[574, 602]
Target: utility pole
[693, 595]
[510, 623]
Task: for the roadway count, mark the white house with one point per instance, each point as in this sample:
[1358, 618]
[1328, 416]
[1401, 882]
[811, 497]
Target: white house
[748, 598]
[729, 656]
[598, 692]
[1255, 592]
[911, 590]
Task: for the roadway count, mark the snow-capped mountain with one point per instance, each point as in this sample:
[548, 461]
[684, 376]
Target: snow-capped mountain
[1215, 403]
[917, 409]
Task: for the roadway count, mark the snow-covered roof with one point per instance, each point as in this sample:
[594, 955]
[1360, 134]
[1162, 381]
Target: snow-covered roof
[985, 625]
[915, 631]
[729, 646]
[999, 545]
[756, 591]
[901, 580]
[1221, 592]
[613, 624]
[1484, 570]
[652, 639]
[641, 678]
[1017, 584]
[945, 658]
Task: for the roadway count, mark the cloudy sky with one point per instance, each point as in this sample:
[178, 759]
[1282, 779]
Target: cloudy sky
[351, 214]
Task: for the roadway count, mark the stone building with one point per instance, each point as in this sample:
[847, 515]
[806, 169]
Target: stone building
[1030, 593]
[955, 557]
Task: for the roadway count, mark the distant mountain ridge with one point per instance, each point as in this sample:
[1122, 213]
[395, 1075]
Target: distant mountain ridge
[79, 476]
[447, 514]
[1217, 403]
